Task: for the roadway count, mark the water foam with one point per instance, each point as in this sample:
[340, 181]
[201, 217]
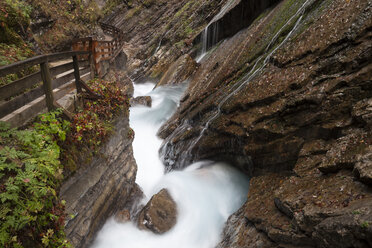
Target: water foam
[206, 193]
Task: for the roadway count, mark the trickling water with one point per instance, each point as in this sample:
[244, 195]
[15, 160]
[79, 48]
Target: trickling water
[261, 62]
[206, 193]
[209, 35]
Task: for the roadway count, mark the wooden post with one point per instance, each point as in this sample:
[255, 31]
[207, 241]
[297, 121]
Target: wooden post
[96, 58]
[76, 73]
[47, 85]
[90, 59]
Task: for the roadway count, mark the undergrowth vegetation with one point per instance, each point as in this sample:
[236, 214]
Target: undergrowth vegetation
[56, 24]
[65, 20]
[33, 163]
[14, 20]
[30, 172]
[92, 124]
[71, 19]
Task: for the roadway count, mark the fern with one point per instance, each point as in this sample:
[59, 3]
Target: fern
[30, 171]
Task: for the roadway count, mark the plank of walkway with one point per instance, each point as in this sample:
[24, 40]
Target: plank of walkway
[19, 101]
[61, 69]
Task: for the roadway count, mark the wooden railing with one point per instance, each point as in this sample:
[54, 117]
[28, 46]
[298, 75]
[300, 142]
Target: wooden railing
[101, 50]
[15, 95]
[58, 70]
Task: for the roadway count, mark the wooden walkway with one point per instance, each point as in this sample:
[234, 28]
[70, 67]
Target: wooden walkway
[59, 74]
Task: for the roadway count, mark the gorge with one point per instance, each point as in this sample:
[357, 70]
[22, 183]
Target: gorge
[206, 193]
[286, 98]
[250, 125]
[287, 101]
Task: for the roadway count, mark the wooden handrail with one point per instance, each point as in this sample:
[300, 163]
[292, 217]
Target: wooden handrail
[21, 65]
[86, 56]
[45, 75]
[101, 50]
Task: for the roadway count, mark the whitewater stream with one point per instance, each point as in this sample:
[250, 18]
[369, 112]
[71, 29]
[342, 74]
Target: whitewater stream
[206, 193]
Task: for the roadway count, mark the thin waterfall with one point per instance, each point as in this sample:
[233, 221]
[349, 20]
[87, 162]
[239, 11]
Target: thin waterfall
[185, 156]
[209, 36]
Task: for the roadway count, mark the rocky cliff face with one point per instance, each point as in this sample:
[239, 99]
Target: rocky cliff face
[158, 32]
[102, 187]
[288, 101]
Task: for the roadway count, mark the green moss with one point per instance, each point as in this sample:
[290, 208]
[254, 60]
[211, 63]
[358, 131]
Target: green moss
[317, 9]
[111, 5]
[133, 12]
[155, 74]
[148, 3]
[364, 225]
[14, 17]
[184, 9]
[180, 44]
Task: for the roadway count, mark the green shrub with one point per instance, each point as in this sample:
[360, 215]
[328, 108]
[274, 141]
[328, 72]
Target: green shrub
[31, 214]
[14, 16]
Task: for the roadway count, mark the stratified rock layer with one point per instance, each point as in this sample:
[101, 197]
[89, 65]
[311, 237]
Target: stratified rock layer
[290, 106]
[158, 32]
[100, 188]
[160, 213]
[179, 71]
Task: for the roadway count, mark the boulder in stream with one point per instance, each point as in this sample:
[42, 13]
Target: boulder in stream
[141, 100]
[160, 213]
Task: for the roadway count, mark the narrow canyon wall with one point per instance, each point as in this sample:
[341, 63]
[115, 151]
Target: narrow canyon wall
[288, 101]
[158, 32]
[238, 15]
[101, 187]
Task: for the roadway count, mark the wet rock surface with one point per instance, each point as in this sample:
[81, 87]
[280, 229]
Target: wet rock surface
[179, 71]
[160, 213]
[159, 32]
[123, 216]
[141, 100]
[300, 117]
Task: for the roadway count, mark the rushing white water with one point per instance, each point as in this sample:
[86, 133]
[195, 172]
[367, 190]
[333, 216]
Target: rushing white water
[206, 192]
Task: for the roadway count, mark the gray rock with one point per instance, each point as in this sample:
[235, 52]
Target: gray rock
[353, 230]
[362, 111]
[239, 232]
[343, 154]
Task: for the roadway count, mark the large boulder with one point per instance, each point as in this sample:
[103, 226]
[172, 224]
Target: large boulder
[141, 100]
[179, 71]
[160, 213]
